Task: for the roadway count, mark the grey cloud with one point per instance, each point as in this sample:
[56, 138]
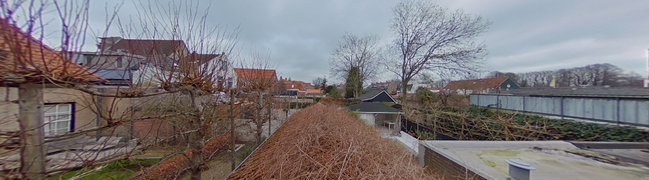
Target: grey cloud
[524, 35]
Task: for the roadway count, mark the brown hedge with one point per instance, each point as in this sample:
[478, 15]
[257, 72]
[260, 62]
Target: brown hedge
[325, 142]
[171, 167]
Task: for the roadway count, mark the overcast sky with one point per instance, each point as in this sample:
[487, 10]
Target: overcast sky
[524, 35]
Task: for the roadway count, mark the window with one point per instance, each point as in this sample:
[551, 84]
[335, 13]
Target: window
[118, 62]
[58, 118]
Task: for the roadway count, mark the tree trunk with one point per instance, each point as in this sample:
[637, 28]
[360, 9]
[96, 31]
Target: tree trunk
[258, 119]
[196, 138]
[404, 91]
[30, 118]
[404, 102]
[232, 137]
[270, 104]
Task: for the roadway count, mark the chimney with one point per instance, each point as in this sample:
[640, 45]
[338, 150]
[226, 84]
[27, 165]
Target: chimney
[107, 42]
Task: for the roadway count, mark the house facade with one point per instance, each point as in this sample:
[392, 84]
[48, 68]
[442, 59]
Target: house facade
[149, 61]
[65, 109]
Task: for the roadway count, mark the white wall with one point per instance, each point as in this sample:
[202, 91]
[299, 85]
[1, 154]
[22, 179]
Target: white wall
[368, 118]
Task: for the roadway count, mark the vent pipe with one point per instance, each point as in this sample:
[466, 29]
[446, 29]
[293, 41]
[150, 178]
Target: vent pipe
[519, 169]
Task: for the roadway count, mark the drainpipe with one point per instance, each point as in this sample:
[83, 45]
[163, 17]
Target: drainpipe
[524, 104]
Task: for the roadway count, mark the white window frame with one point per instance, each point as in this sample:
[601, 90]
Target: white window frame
[57, 119]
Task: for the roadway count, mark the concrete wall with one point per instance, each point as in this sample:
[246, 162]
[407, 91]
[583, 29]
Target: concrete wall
[617, 110]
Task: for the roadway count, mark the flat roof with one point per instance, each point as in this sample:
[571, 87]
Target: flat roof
[580, 91]
[551, 159]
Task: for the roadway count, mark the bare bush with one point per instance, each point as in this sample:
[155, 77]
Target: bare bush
[326, 142]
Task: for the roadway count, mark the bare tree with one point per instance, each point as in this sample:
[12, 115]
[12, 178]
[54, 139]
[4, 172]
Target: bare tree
[31, 66]
[320, 82]
[200, 71]
[354, 51]
[430, 37]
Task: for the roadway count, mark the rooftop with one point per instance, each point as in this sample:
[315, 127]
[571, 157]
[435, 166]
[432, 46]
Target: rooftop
[144, 47]
[17, 50]
[255, 73]
[552, 159]
[370, 94]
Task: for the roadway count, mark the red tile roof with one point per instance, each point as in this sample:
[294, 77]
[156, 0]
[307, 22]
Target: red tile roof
[255, 73]
[314, 91]
[288, 84]
[476, 84]
[27, 57]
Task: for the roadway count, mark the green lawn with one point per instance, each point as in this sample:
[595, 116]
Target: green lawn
[121, 169]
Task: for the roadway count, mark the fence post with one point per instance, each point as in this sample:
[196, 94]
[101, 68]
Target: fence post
[524, 104]
[617, 110]
[561, 107]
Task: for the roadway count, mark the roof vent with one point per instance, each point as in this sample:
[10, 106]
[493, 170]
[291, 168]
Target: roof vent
[519, 169]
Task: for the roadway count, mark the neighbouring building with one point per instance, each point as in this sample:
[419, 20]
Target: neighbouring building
[299, 88]
[487, 85]
[392, 87]
[314, 93]
[149, 60]
[255, 79]
[66, 110]
[377, 95]
[380, 109]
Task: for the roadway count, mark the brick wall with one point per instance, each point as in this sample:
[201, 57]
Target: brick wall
[445, 168]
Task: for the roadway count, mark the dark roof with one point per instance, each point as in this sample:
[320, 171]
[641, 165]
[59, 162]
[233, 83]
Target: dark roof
[147, 47]
[582, 91]
[114, 74]
[487, 83]
[370, 94]
[373, 107]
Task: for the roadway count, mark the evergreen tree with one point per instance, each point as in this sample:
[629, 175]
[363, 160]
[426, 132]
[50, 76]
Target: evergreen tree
[353, 84]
